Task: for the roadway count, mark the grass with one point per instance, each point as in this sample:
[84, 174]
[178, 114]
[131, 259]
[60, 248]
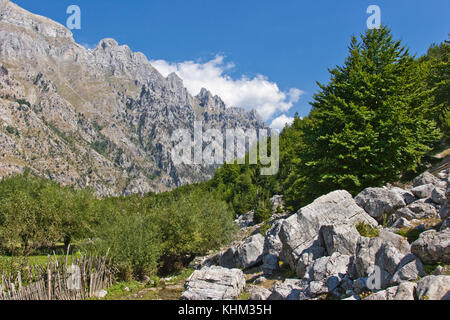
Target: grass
[430, 268]
[412, 234]
[366, 230]
[181, 275]
[13, 130]
[118, 291]
[169, 288]
[7, 261]
[244, 296]
[266, 227]
[32, 260]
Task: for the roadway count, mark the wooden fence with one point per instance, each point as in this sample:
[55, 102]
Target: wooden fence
[56, 280]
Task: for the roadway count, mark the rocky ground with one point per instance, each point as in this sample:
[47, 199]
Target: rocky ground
[385, 244]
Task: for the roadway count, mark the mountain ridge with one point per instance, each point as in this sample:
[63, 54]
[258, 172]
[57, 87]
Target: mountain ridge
[98, 118]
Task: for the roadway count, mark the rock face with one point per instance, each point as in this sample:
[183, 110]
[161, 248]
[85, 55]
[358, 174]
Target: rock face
[433, 247]
[340, 238]
[407, 196]
[272, 248]
[445, 224]
[379, 201]
[426, 178]
[244, 255]
[438, 196]
[434, 288]
[423, 191]
[245, 220]
[214, 283]
[259, 293]
[404, 291]
[410, 268]
[100, 118]
[368, 249]
[326, 273]
[250, 253]
[290, 289]
[301, 230]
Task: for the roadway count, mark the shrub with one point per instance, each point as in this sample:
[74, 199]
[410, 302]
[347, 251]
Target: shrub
[411, 234]
[12, 130]
[37, 213]
[133, 242]
[23, 102]
[192, 222]
[366, 230]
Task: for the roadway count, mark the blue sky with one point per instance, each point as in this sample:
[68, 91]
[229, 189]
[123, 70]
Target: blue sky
[266, 48]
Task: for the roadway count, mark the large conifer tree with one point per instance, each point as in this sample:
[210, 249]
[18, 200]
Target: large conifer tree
[365, 127]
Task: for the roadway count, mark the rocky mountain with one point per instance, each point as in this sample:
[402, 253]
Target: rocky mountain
[101, 118]
[385, 244]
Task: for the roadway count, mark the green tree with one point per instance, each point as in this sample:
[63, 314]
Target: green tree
[365, 127]
[30, 210]
[436, 85]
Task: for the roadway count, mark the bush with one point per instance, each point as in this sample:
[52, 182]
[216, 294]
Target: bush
[37, 213]
[411, 234]
[366, 230]
[192, 221]
[12, 130]
[158, 232]
[23, 102]
[133, 242]
[262, 214]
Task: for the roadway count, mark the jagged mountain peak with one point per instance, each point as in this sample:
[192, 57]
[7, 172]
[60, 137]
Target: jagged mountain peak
[101, 118]
[16, 16]
[210, 102]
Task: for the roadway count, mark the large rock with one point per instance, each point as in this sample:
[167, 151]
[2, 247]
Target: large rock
[434, 288]
[423, 191]
[250, 253]
[379, 201]
[443, 175]
[405, 291]
[368, 248]
[417, 210]
[409, 269]
[276, 201]
[407, 196]
[271, 264]
[325, 274]
[245, 255]
[246, 220]
[315, 251]
[445, 224]
[426, 178]
[340, 238]
[438, 196]
[290, 289]
[259, 293]
[402, 223]
[299, 231]
[423, 210]
[272, 242]
[433, 247]
[214, 283]
[272, 248]
[228, 258]
[387, 259]
[444, 212]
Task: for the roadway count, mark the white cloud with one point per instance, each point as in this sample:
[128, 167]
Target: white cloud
[280, 122]
[88, 46]
[249, 93]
